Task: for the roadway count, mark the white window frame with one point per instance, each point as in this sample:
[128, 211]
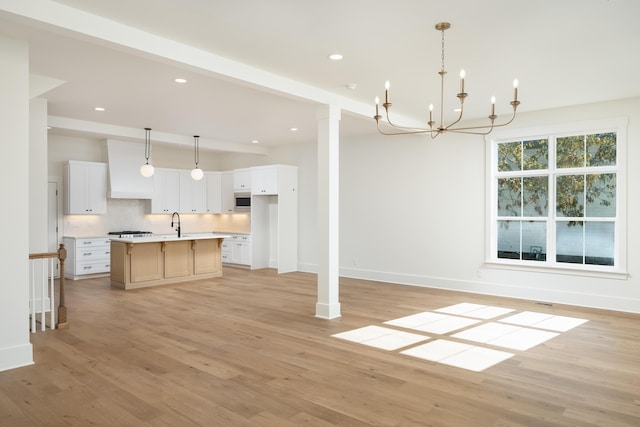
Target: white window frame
[617, 125]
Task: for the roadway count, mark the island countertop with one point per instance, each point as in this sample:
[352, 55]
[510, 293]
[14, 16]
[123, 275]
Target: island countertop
[170, 237]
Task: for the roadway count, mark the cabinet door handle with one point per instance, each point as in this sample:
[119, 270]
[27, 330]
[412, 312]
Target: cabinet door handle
[86, 253]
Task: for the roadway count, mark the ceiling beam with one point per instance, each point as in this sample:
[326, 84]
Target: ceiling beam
[96, 29]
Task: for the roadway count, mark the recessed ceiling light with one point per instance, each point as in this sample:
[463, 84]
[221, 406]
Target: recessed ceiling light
[255, 141]
[180, 80]
[335, 57]
[98, 108]
[351, 86]
[293, 129]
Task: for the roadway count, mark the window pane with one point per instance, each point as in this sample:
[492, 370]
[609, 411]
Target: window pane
[510, 156]
[570, 152]
[601, 149]
[599, 243]
[601, 195]
[534, 240]
[536, 154]
[509, 239]
[509, 196]
[535, 197]
[569, 242]
[570, 196]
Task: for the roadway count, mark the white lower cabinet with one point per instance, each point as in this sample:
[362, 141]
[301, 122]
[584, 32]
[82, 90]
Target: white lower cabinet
[87, 257]
[237, 250]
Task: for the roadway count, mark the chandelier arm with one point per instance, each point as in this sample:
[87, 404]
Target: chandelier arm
[471, 132]
[411, 129]
[458, 119]
[491, 127]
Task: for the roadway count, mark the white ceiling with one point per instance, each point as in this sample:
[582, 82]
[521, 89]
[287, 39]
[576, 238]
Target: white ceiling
[256, 68]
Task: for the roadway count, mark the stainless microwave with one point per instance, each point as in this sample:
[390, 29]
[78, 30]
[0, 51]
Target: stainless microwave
[243, 202]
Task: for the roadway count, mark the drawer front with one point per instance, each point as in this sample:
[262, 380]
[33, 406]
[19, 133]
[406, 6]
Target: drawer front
[86, 243]
[93, 253]
[241, 238]
[91, 267]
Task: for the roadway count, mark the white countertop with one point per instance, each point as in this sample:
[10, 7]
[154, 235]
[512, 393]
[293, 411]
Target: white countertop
[171, 237]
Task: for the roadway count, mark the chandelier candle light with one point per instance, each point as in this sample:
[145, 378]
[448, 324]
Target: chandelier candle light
[436, 130]
[147, 170]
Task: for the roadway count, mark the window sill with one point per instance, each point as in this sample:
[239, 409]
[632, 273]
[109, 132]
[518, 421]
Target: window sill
[583, 272]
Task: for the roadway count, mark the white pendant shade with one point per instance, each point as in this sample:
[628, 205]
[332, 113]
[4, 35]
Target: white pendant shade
[197, 174]
[146, 170]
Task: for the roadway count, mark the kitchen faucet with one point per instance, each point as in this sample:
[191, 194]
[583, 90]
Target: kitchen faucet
[178, 228]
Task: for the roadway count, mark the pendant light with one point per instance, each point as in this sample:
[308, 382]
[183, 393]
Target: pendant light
[147, 170]
[196, 173]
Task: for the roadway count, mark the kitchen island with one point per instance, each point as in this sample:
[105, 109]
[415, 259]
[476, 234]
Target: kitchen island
[138, 262]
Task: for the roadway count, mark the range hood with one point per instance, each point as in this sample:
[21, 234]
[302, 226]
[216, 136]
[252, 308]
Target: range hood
[125, 181]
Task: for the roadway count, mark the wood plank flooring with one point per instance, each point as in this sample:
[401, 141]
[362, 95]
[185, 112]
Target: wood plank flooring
[246, 350]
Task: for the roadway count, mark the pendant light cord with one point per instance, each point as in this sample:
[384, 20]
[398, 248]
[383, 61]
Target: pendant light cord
[147, 144]
[197, 154]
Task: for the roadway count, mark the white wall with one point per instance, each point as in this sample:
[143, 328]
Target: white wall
[38, 176]
[15, 348]
[413, 211]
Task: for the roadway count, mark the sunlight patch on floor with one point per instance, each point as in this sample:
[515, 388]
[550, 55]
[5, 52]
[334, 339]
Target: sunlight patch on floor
[379, 337]
[520, 332]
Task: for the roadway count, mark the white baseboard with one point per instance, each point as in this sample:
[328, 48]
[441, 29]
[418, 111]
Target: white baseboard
[16, 357]
[606, 302]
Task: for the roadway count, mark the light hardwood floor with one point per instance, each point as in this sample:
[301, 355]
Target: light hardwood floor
[246, 350]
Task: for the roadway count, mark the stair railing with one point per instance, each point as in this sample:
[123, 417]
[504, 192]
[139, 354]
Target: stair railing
[42, 289]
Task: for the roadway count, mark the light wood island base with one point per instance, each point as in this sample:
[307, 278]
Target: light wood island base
[149, 262]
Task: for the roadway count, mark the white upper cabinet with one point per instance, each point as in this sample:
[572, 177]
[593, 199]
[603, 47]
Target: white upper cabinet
[86, 187]
[214, 191]
[166, 190]
[273, 180]
[264, 180]
[193, 194]
[226, 192]
[242, 180]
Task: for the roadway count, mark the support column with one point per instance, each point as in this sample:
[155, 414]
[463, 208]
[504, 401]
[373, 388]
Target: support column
[328, 305]
[15, 348]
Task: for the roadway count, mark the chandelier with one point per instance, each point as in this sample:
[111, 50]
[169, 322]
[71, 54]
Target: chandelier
[437, 129]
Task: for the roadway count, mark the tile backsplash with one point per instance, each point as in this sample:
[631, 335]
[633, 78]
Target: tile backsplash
[128, 214]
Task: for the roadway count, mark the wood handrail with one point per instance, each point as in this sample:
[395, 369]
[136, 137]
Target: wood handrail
[44, 255]
[61, 255]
